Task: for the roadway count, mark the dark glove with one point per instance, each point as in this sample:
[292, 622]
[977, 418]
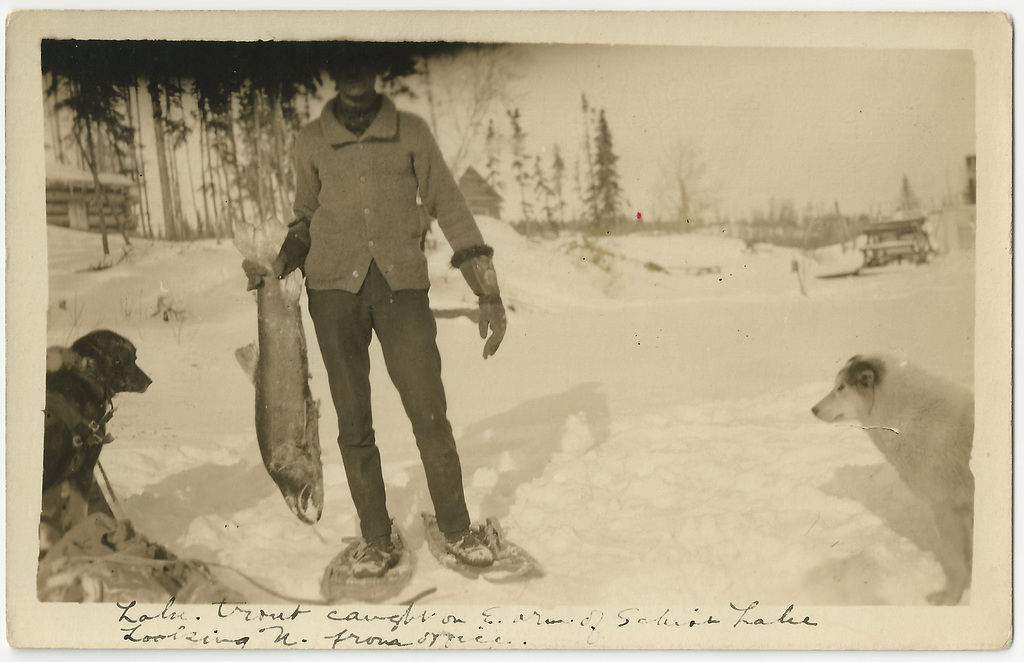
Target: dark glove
[295, 247]
[256, 272]
[492, 314]
[478, 269]
[291, 257]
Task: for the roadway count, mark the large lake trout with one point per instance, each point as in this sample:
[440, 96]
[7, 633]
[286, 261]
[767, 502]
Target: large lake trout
[286, 414]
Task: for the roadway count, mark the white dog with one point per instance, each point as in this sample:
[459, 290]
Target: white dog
[924, 426]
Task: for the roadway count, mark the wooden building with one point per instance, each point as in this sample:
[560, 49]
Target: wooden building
[480, 196]
[71, 199]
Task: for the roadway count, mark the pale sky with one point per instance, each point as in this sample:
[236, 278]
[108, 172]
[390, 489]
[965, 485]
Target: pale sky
[814, 125]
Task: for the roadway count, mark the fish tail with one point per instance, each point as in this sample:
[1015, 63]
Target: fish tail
[260, 242]
[248, 357]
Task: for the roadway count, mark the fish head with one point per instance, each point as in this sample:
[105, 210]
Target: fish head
[308, 504]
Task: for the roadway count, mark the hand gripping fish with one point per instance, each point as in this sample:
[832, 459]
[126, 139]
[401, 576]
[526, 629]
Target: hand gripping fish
[286, 414]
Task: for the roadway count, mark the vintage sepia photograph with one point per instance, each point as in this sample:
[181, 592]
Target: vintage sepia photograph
[345, 334]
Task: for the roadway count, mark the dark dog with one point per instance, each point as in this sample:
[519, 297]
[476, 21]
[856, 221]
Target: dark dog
[81, 381]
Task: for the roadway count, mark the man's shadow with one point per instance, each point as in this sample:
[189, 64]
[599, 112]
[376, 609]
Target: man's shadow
[879, 488]
[510, 450]
[210, 489]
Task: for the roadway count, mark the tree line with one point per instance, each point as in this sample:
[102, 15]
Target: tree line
[243, 102]
[543, 187]
[221, 118]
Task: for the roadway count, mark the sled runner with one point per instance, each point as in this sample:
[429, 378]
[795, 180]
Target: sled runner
[511, 562]
[338, 584]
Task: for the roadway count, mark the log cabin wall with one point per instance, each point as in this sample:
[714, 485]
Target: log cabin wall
[74, 205]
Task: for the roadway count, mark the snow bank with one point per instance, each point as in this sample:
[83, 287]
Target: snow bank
[531, 276]
[646, 434]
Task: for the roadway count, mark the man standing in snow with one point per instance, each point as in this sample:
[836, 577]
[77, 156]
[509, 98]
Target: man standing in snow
[359, 168]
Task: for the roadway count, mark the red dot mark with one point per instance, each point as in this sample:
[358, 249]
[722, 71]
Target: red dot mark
[639, 217]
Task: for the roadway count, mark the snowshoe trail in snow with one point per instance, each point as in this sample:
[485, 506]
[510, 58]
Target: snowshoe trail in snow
[511, 562]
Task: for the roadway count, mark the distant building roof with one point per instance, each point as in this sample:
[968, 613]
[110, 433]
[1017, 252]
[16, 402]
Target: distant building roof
[473, 185]
[61, 173]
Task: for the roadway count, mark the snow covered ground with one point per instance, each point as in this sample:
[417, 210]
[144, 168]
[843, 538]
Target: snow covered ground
[644, 430]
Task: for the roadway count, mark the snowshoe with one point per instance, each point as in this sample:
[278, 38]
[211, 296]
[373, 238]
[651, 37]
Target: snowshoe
[340, 584]
[511, 562]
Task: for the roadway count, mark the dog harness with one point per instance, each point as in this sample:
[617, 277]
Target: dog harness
[85, 433]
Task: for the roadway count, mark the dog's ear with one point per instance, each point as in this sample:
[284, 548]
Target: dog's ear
[864, 372]
[866, 378]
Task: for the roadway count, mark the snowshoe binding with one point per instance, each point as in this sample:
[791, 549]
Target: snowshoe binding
[368, 571]
[510, 561]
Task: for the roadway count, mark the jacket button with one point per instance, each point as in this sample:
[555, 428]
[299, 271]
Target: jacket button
[371, 243]
[355, 274]
[366, 211]
[362, 178]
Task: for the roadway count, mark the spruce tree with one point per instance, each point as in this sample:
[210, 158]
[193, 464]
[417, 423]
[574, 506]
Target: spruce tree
[557, 178]
[493, 150]
[590, 207]
[519, 157]
[542, 191]
[605, 191]
[908, 199]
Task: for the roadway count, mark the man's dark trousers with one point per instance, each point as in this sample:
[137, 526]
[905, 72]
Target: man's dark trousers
[407, 334]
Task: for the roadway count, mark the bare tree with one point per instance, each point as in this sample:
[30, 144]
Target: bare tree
[463, 89]
[684, 190]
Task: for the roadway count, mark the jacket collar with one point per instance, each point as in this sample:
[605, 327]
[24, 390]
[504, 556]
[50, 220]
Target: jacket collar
[384, 126]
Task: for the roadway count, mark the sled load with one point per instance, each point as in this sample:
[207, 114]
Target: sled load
[104, 560]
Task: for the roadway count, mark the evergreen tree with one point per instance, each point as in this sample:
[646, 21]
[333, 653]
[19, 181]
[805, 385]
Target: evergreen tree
[493, 150]
[543, 191]
[557, 179]
[519, 157]
[590, 205]
[99, 118]
[605, 193]
[577, 181]
[908, 199]
[249, 98]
